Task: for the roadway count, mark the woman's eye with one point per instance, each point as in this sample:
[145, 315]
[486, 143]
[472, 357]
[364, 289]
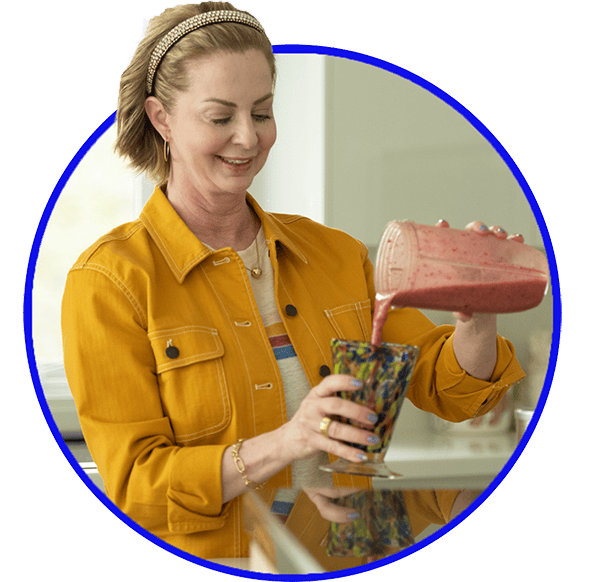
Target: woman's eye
[258, 117]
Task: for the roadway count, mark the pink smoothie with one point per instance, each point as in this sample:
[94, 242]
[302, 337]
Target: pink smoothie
[494, 297]
[380, 313]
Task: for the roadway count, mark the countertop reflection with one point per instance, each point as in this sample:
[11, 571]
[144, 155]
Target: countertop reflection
[312, 539]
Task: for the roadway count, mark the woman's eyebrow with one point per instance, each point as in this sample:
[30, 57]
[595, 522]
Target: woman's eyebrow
[231, 104]
[262, 99]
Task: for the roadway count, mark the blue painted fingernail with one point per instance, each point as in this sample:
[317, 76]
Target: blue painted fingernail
[373, 439]
[356, 382]
[354, 515]
[483, 227]
[361, 457]
[501, 230]
[373, 417]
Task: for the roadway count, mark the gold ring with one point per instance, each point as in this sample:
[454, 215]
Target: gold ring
[324, 426]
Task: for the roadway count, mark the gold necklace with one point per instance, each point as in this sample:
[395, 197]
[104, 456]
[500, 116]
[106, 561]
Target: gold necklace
[257, 271]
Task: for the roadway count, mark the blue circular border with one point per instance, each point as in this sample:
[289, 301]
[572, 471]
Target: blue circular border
[557, 319]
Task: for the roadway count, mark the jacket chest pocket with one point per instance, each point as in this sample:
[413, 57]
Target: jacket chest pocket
[191, 379]
[352, 321]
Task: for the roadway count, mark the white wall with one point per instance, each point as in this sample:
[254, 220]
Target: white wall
[293, 179]
[396, 150]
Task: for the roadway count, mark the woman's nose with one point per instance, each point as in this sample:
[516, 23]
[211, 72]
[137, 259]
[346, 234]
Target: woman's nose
[245, 134]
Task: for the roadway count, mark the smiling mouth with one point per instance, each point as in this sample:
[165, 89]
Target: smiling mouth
[236, 162]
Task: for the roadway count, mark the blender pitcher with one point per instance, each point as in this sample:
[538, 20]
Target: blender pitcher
[456, 270]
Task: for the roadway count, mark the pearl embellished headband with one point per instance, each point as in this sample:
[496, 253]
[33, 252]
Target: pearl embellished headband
[189, 25]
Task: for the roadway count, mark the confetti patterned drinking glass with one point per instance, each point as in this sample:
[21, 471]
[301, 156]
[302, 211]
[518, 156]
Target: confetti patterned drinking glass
[385, 371]
[382, 527]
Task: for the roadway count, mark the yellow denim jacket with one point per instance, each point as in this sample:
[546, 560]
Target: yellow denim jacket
[157, 426]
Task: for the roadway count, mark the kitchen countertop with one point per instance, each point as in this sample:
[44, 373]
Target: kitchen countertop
[452, 462]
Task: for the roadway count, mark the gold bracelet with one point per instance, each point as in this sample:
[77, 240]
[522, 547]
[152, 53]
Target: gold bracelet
[239, 465]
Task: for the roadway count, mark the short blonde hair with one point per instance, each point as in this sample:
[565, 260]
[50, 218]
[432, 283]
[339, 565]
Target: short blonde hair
[137, 139]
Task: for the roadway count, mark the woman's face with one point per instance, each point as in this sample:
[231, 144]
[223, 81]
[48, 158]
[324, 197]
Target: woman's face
[222, 128]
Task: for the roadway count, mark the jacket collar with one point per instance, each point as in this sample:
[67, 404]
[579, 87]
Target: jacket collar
[180, 247]
[276, 228]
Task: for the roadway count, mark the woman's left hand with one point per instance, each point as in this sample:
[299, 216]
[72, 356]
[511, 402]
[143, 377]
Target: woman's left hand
[481, 229]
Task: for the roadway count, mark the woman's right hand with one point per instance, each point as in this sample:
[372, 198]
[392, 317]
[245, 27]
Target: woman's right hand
[301, 435]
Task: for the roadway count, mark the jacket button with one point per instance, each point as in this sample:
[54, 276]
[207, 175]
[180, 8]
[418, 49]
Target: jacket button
[324, 371]
[291, 310]
[172, 352]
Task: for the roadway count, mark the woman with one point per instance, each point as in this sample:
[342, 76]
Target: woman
[174, 324]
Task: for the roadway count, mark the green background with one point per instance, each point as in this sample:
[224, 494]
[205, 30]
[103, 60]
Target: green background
[525, 69]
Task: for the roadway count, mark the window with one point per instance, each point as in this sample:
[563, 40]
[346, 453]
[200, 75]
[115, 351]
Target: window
[102, 193]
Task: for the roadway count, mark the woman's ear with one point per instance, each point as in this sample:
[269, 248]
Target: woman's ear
[158, 116]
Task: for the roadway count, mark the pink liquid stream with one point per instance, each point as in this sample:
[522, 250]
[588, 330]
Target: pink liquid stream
[501, 297]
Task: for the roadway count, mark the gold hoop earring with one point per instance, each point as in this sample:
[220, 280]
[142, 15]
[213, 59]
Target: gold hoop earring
[166, 151]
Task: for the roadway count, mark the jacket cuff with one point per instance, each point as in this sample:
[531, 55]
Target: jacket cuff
[478, 396]
[194, 497]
